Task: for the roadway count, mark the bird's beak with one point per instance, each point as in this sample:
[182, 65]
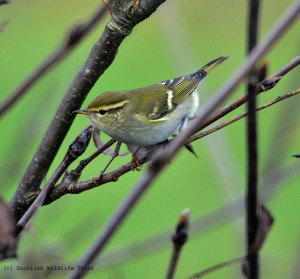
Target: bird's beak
[213, 64]
[83, 111]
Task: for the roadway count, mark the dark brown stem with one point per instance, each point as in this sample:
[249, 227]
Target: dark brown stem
[252, 146]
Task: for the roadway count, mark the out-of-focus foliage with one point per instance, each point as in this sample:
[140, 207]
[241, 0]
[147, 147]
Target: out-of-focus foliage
[178, 39]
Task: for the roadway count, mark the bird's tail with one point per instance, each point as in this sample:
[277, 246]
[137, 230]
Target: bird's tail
[211, 65]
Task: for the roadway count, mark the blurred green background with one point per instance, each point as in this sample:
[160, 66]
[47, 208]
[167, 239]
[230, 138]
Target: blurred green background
[178, 39]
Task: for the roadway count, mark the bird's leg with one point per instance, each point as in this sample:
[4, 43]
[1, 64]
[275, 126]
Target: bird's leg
[135, 160]
[113, 156]
[99, 144]
[188, 146]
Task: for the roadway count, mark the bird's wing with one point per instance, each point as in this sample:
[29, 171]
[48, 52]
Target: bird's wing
[182, 87]
[167, 95]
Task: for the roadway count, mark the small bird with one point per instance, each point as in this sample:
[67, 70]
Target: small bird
[149, 115]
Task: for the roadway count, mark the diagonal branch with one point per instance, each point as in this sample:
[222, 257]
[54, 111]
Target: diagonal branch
[125, 15]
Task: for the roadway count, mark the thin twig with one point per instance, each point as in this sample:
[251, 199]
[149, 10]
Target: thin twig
[74, 36]
[243, 114]
[124, 18]
[217, 267]
[113, 157]
[69, 185]
[294, 63]
[163, 157]
[75, 174]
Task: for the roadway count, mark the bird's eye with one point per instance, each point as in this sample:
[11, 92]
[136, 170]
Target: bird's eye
[102, 111]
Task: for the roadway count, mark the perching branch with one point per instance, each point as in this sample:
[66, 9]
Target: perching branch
[163, 157]
[125, 15]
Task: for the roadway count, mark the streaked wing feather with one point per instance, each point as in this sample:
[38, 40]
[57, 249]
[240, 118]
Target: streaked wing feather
[182, 87]
[173, 93]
